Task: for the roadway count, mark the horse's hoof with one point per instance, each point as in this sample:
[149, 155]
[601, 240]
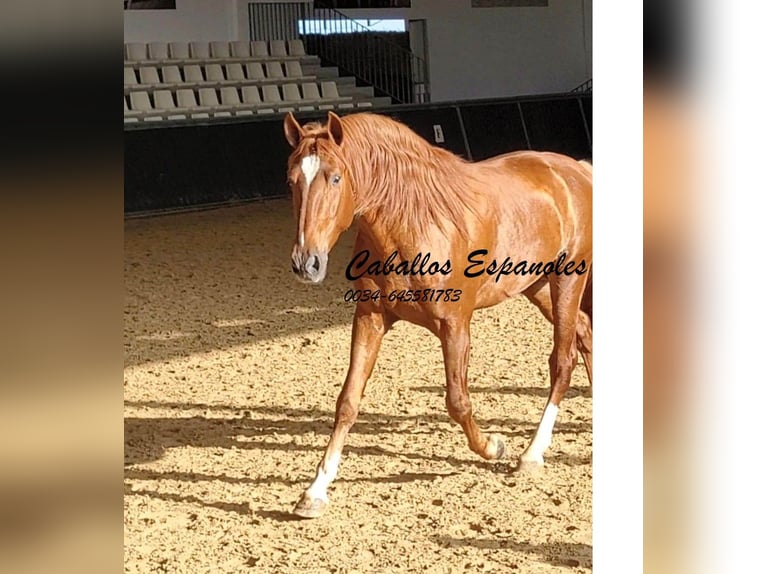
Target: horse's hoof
[528, 466]
[308, 507]
[496, 447]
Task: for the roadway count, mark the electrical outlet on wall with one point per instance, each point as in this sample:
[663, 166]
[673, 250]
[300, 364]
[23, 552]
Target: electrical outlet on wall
[438, 134]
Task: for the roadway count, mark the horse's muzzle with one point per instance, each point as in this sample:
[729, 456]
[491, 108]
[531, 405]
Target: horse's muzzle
[310, 267]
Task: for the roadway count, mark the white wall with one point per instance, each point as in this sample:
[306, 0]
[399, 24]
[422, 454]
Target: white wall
[496, 52]
[205, 20]
[474, 52]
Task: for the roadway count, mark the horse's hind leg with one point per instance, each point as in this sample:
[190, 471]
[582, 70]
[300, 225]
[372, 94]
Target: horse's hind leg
[565, 292]
[456, 344]
[367, 334]
[585, 327]
[539, 295]
[585, 342]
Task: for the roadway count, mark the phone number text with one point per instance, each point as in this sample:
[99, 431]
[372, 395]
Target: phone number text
[405, 295]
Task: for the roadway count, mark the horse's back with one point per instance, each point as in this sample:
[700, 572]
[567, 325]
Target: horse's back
[527, 160]
[568, 180]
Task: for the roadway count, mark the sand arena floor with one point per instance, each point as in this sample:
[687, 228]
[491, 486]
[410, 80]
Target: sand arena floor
[232, 369]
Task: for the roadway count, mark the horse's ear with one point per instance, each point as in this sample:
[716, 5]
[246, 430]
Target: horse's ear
[293, 130]
[335, 128]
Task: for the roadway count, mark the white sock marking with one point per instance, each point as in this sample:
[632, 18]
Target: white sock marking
[543, 435]
[324, 477]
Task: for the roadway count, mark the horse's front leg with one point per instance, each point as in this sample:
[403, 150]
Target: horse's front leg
[367, 333]
[456, 347]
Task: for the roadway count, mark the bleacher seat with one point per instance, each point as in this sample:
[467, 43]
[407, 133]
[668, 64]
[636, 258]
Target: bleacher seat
[271, 95]
[135, 52]
[193, 73]
[179, 50]
[149, 76]
[311, 92]
[239, 49]
[254, 71]
[129, 77]
[292, 95]
[171, 75]
[200, 50]
[294, 69]
[277, 48]
[330, 91]
[274, 70]
[163, 100]
[297, 48]
[187, 100]
[234, 72]
[214, 73]
[140, 102]
[220, 50]
[259, 49]
[251, 95]
[158, 51]
[128, 114]
[208, 98]
[230, 99]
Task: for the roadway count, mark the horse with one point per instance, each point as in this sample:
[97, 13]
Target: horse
[410, 197]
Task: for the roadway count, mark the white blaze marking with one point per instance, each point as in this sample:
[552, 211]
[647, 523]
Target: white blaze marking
[326, 473]
[543, 435]
[310, 167]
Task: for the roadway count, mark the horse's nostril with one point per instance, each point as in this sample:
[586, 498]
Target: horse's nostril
[312, 264]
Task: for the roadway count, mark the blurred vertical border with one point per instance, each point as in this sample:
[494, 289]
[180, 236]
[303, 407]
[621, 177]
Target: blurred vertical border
[668, 296]
[61, 300]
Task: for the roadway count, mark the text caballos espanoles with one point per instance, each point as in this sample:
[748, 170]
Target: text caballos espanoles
[476, 265]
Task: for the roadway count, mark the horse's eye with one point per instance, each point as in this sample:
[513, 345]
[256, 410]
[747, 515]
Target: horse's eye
[335, 180]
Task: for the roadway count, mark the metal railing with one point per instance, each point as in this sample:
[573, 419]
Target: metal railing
[585, 87]
[392, 69]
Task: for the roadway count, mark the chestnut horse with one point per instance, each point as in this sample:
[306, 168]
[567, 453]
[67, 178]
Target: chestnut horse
[413, 198]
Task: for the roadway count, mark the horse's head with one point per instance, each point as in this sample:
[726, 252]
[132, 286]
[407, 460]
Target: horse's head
[322, 193]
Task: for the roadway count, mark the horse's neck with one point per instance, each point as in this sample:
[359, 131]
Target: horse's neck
[375, 232]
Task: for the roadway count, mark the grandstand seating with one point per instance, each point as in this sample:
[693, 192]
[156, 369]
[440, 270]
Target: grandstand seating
[196, 52]
[228, 100]
[187, 80]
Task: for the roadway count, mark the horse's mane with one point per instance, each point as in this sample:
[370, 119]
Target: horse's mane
[401, 179]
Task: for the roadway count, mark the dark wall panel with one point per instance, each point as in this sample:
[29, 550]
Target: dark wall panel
[422, 122]
[493, 129]
[556, 125]
[587, 106]
[197, 164]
